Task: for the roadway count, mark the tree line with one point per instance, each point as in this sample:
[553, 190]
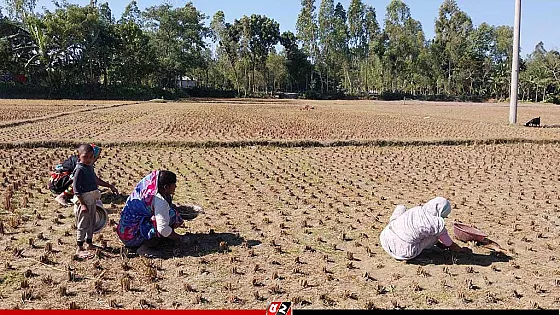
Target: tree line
[336, 52]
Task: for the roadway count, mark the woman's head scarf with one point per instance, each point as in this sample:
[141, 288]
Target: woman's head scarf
[439, 207]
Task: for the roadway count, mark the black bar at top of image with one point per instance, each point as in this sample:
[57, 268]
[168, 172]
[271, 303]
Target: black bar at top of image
[439, 311]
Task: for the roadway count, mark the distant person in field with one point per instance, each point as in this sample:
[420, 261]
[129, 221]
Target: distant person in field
[149, 216]
[60, 181]
[411, 231]
[85, 187]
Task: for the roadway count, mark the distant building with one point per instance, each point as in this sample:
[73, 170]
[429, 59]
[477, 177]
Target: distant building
[186, 82]
[287, 95]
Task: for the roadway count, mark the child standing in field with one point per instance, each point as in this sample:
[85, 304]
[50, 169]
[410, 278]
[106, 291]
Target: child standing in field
[86, 190]
[61, 179]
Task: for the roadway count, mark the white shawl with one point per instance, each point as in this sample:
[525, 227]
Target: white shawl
[407, 234]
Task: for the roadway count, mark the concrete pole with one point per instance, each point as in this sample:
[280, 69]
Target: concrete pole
[515, 64]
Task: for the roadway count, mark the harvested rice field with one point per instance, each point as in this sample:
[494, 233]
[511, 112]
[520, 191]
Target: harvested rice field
[295, 222]
[286, 121]
[12, 110]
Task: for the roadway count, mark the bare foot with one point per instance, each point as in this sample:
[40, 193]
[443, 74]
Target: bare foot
[84, 254]
[61, 200]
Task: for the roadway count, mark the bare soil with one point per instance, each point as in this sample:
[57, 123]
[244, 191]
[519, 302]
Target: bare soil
[288, 121]
[299, 224]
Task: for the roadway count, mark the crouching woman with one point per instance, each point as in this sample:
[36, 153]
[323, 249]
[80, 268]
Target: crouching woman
[411, 231]
[148, 216]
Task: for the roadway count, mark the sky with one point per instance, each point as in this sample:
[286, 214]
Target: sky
[538, 22]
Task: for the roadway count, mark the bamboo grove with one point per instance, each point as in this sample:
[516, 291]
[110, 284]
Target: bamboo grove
[334, 51]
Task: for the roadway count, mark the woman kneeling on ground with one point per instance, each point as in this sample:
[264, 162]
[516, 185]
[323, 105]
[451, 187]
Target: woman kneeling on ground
[149, 216]
[411, 231]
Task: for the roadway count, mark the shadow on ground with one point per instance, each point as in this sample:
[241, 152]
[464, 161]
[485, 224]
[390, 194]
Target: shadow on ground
[108, 198]
[438, 256]
[202, 244]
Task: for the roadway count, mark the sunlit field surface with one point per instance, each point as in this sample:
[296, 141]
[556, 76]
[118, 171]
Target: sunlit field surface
[298, 194]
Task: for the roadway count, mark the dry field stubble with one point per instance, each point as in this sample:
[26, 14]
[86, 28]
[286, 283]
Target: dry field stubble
[17, 109]
[286, 121]
[301, 224]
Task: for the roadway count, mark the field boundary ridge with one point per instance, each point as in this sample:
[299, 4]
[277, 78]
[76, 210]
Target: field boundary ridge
[277, 143]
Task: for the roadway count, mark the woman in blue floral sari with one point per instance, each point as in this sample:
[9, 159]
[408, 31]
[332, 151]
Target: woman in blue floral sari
[148, 215]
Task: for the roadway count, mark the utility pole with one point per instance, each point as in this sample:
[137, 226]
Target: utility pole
[515, 65]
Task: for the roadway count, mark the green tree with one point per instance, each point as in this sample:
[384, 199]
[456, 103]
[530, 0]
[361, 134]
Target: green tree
[404, 41]
[260, 34]
[16, 46]
[70, 45]
[132, 13]
[502, 54]
[228, 49]
[5, 51]
[482, 42]
[135, 61]
[326, 37]
[453, 28]
[364, 44]
[341, 52]
[308, 33]
[374, 50]
[40, 60]
[82, 43]
[277, 71]
[542, 74]
[297, 63]
[177, 36]
[357, 32]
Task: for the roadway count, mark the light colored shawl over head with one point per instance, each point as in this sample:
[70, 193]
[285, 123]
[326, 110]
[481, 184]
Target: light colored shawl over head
[411, 231]
[422, 222]
[439, 207]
